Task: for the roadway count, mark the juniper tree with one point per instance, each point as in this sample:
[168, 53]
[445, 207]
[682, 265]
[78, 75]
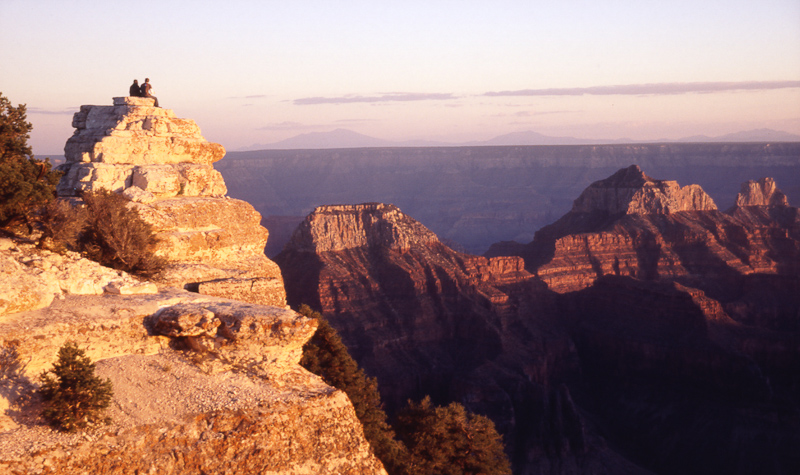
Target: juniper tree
[74, 396]
[116, 236]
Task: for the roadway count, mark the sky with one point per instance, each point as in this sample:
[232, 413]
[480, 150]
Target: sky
[258, 71]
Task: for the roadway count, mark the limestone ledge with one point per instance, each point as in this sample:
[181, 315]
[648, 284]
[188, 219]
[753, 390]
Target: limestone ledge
[160, 181]
[243, 405]
[134, 132]
[208, 230]
[33, 277]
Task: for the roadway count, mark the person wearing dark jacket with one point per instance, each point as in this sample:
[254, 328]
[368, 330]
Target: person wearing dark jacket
[145, 90]
[135, 90]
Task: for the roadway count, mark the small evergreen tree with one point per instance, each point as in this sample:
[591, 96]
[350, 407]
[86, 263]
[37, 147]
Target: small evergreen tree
[25, 183]
[450, 441]
[74, 396]
[327, 356]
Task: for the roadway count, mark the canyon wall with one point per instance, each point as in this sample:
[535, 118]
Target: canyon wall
[645, 319]
[476, 196]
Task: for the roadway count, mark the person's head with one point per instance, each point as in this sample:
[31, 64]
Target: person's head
[146, 79]
[136, 81]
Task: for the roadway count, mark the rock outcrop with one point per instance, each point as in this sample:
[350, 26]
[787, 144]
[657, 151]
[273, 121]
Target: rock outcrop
[644, 314]
[632, 225]
[32, 278]
[763, 192]
[630, 191]
[211, 243]
[239, 402]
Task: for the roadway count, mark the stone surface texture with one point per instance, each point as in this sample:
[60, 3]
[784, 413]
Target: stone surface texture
[164, 166]
[32, 278]
[239, 403]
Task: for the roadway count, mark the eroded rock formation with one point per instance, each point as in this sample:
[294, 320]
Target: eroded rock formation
[212, 244]
[670, 324]
[632, 225]
[425, 319]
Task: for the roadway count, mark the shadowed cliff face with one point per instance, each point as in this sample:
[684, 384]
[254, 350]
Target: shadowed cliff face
[645, 328]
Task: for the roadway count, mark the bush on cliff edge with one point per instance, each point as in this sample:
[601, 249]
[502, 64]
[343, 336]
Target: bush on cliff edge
[25, 183]
[74, 396]
[116, 236]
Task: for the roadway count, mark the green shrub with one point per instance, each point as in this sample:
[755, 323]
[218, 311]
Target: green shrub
[116, 236]
[25, 183]
[450, 441]
[74, 397]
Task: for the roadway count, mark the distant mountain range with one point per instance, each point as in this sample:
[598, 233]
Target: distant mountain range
[343, 138]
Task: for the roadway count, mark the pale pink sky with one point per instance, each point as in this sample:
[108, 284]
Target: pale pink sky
[252, 72]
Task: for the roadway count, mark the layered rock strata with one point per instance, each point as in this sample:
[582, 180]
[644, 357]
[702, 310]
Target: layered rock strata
[164, 166]
[670, 324]
[632, 225]
[238, 402]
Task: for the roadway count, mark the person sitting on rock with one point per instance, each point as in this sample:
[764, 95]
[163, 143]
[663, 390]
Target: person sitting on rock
[145, 90]
[135, 90]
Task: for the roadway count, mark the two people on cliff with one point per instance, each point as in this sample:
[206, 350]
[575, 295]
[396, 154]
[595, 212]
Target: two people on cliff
[143, 90]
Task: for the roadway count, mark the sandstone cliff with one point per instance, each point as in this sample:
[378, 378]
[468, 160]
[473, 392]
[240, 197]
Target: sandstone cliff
[213, 244]
[644, 314]
[425, 319]
[202, 384]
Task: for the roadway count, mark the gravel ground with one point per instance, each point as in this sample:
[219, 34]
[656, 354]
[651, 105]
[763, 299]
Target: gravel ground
[154, 389]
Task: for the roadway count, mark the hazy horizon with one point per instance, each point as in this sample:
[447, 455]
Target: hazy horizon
[443, 71]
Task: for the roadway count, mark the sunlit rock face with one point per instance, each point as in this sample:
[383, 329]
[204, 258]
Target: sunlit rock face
[164, 166]
[234, 399]
[632, 225]
[630, 191]
[128, 144]
[763, 192]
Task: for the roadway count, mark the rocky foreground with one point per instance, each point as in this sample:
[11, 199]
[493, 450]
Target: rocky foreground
[643, 331]
[205, 381]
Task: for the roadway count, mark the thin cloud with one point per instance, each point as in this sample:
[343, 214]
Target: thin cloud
[256, 96]
[37, 110]
[288, 126]
[652, 89]
[393, 97]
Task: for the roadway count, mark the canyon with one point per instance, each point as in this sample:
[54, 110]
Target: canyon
[473, 197]
[644, 331]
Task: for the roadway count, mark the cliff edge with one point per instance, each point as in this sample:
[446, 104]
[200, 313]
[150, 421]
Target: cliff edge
[164, 166]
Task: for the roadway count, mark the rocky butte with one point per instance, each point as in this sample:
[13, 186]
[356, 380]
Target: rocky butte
[645, 331]
[204, 382]
[165, 167]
